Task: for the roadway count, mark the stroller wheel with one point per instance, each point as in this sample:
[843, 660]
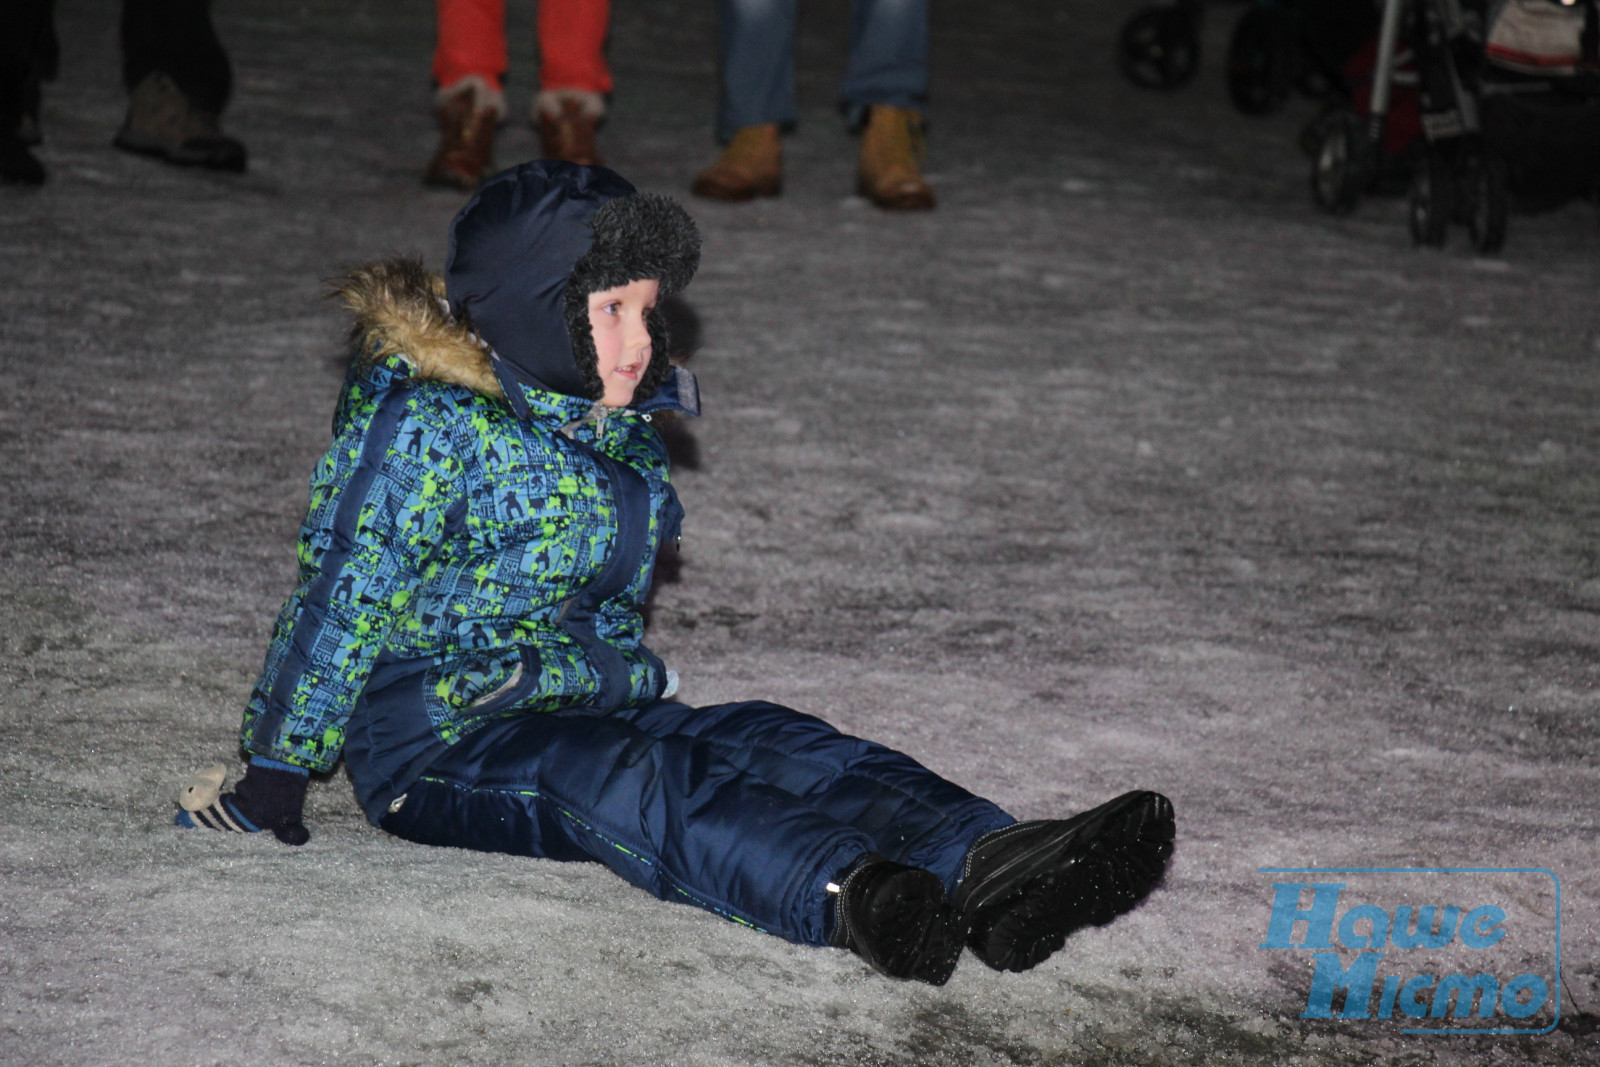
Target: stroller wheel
[1432, 202]
[1262, 61]
[1341, 164]
[1483, 181]
[1159, 48]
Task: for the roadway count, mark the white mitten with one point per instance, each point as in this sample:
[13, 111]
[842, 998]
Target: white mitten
[203, 788]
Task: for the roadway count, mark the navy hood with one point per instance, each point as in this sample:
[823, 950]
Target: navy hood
[530, 247]
[512, 250]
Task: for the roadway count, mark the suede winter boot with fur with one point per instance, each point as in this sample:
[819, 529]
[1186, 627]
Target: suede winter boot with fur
[751, 166]
[888, 173]
[897, 919]
[164, 123]
[469, 112]
[1024, 888]
[567, 120]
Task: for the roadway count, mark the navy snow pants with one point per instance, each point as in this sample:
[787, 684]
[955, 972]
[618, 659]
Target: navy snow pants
[747, 810]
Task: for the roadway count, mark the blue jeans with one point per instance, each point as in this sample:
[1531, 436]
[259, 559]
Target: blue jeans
[747, 810]
[888, 59]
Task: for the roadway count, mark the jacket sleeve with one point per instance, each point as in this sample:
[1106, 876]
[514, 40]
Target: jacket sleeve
[381, 502]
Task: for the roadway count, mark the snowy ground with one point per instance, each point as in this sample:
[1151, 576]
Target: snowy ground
[1125, 467]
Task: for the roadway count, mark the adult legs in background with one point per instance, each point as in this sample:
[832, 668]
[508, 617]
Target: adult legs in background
[28, 56]
[884, 88]
[470, 43]
[469, 65]
[176, 38]
[757, 99]
[573, 78]
[888, 55]
[178, 79]
[757, 57]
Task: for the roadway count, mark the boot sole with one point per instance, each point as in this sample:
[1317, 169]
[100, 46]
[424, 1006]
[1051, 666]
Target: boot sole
[739, 195]
[231, 161]
[920, 200]
[916, 934]
[1084, 871]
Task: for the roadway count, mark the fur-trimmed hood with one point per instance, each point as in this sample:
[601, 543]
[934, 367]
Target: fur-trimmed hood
[400, 311]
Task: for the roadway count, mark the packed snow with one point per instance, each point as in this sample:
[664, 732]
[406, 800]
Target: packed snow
[1125, 467]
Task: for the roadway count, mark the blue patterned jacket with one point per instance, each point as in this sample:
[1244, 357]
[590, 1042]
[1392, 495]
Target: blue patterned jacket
[496, 563]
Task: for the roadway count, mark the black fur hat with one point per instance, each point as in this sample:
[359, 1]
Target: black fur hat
[635, 237]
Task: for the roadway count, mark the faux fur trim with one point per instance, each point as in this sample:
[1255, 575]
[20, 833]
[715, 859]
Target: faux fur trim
[483, 95]
[638, 236]
[548, 102]
[400, 311]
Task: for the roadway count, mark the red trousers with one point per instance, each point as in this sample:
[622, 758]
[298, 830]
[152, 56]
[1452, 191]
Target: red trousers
[572, 37]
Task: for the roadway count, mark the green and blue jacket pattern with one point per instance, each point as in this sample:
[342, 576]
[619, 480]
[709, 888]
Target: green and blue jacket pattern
[498, 562]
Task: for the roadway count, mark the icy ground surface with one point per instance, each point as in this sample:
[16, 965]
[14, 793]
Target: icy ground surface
[1123, 468]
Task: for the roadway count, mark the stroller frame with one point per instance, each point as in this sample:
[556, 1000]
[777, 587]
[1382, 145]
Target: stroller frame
[1456, 177]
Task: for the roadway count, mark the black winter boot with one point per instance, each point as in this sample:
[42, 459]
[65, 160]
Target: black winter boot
[1024, 888]
[897, 919]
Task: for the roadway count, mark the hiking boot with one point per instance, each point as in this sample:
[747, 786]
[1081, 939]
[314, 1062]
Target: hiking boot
[1025, 887]
[751, 166]
[18, 166]
[469, 112]
[567, 120]
[897, 919]
[164, 123]
[891, 153]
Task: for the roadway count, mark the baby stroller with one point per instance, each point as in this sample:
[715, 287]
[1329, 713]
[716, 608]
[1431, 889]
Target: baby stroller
[1276, 48]
[1470, 106]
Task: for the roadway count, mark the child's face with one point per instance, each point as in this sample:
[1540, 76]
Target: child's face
[621, 339]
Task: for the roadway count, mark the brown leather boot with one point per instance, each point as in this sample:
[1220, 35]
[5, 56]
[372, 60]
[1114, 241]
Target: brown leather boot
[567, 121]
[891, 151]
[751, 166]
[468, 115]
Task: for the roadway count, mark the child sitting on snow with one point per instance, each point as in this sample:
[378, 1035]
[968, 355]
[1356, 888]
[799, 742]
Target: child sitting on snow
[466, 630]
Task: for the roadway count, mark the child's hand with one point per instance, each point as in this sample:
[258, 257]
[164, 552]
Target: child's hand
[270, 796]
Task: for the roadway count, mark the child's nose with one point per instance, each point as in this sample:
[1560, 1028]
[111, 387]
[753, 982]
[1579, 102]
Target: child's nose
[638, 334]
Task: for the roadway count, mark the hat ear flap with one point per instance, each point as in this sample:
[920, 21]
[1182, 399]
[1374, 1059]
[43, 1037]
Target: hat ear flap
[575, 305]
[655, 375]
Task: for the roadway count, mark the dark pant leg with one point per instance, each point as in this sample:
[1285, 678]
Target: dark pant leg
[176, 37]
[911, 814]
[669, 814]
[28, 56]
